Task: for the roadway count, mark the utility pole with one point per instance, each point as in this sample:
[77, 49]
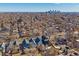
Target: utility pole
[2, 25]
[11, 26]
[19, 26]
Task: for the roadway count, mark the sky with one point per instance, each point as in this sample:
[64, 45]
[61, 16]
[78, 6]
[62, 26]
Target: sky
[39, 7]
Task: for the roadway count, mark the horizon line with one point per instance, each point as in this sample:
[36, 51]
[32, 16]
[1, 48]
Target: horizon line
[34, 11]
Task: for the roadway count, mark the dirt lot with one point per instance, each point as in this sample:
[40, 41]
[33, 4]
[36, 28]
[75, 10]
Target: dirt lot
[37, 24]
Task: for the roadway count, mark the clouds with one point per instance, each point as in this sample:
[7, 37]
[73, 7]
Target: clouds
[38, 7]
